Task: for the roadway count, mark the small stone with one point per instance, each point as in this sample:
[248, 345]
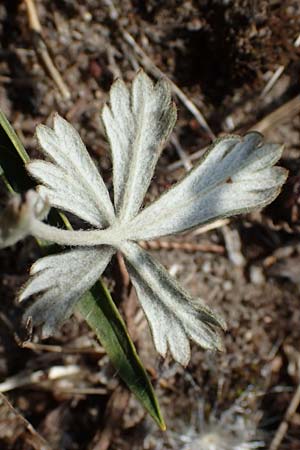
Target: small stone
[227, 285]
[206, 268]
[256, 275]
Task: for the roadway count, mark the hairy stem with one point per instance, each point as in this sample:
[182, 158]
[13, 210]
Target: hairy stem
[109, 236]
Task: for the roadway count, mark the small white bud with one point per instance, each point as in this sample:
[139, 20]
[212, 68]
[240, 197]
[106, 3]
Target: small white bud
[17, 217]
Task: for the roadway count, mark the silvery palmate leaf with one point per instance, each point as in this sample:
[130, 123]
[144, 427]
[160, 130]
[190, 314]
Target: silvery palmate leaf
[235, 175]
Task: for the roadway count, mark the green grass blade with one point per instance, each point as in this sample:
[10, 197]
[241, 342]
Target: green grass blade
[12, 158]
[96, 306]
[100, 312]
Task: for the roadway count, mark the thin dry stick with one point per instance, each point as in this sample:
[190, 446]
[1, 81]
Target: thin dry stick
[149, 65]
[60, 349]
[112, 64]
[114, 414]
[42, 51]
[277, 74]
[284, 112]
[234, 246]
[185, 246]
[181, 153]
[196, 155]
[35, 441]
[272, 81]
[79, 391]
[211, 226]
[24, 378]
[287, 110]
[283, 427]
[33, 16]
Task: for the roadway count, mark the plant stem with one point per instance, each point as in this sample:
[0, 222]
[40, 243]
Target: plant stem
[109, 236]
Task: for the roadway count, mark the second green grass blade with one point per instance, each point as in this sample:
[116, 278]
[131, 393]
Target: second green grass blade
[99, 310]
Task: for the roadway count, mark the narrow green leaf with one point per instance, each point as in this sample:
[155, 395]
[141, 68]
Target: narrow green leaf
[96, 306]
[9, 135]
[100, 312]
[12, 158]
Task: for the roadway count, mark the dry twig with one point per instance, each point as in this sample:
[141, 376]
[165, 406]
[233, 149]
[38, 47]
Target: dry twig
[149, 65]
[113, 418]
[234, 246]
[196, 155]
[62, 349]
[42, 50]
[32, 437]
[185, 246]
[211, 226]
[277, 74]
[283, 427]
[284, 112]
[294, 371]
[181, 153]
[25, 379]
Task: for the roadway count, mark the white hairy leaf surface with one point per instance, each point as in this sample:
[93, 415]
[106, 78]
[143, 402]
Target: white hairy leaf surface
[58, 282]
[138, 122]
[174, 317]
[71, 181]
[64, 192]
[234, 176]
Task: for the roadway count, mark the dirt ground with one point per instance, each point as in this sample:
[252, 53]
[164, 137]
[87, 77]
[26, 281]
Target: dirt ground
[63, 393]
